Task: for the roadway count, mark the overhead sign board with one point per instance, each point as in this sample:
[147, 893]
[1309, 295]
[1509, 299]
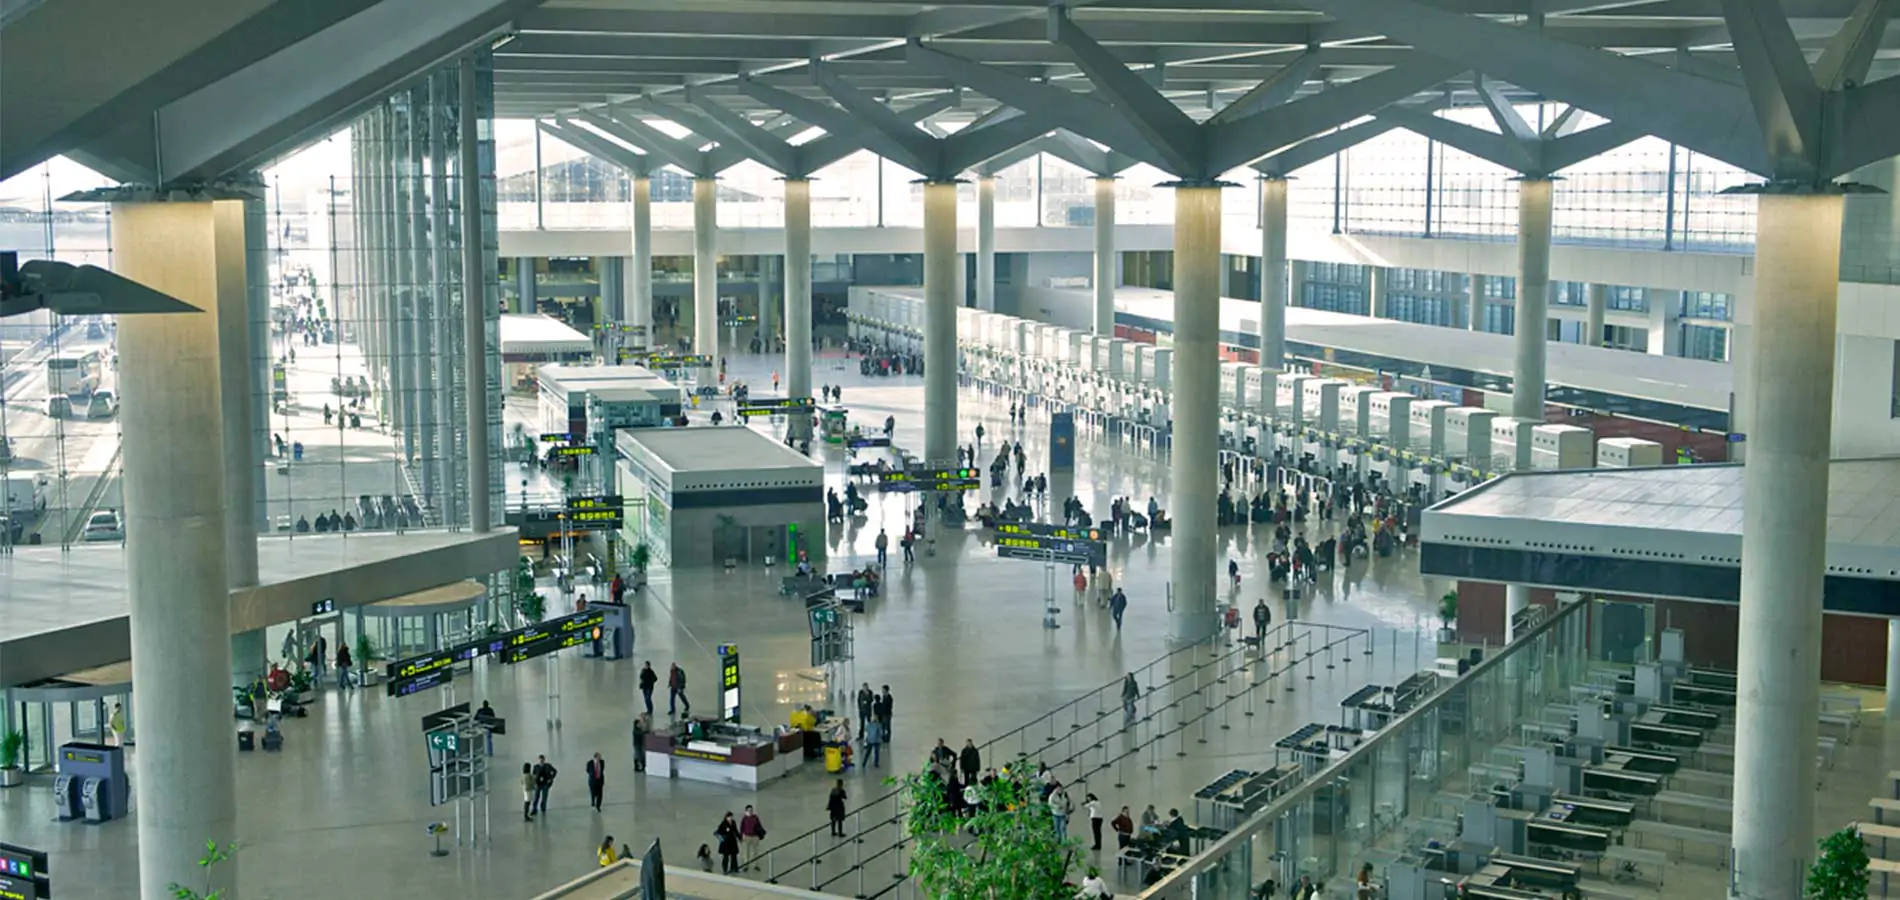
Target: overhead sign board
[930, 479]
[573, 450]
[729, 681]
[678, 360]
[775, 406]
[1038, 529]
[552, 635]
[1051, 549]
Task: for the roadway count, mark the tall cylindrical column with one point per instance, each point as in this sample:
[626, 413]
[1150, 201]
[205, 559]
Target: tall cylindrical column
[1196, 400]
[940, 321]
[1893, 669]
[798, 297]
[1516, 598]
[1273, 273]
[524, 285]
[1533, 296]
[475, 298]
[1107, 278]
[986, 242]
[1597, 299]
[1784, 542]
[640, 265]
[1376, 281]
[171, 374]
[706, 274]
[1474, 303]
[235, 371]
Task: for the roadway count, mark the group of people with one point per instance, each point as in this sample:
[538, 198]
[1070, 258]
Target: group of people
[675, 688]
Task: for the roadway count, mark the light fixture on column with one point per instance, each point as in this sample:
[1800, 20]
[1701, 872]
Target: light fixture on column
[76, 290]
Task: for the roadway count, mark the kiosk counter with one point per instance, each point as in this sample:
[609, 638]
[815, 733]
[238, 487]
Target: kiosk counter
[723, 753]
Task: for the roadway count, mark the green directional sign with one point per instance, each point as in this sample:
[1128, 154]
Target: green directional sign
[445, 741]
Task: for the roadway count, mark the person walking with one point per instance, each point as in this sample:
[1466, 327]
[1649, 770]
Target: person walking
[908, 542]
[834, 805]
[485, 717]
[728, 835]
[647, 680]
[1117, 605]
[1060, 806]
[970, 761]
[752, 834]
[1093, 805]
[527, 792]
[318, 657]
[1262, 617]
[116, 724]
[343, 661]
[639, 743]
[873, 739]
[1131, 692]
[618, 590]
[544, 773]
[883, 544]
[676, 691]
[596, 780]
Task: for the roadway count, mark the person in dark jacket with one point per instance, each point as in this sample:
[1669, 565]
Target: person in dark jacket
[728, 834]
[1262, 617]
[970, 761]
[596, 780]
[676, 691]
[544, 773]
[834, 806]
[647, 680]
[882, 709]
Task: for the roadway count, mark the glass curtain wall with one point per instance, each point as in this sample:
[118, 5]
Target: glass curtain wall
[59, 432]
[369, 393]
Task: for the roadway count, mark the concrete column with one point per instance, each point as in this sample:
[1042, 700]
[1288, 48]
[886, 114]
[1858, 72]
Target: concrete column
[1533, 296]
[235, 423]
[798, 297]
[640, 264]
[940, 320]
[1273, 286]
[524, 285]
[1784, 542]
[1598, 299]
[1375, 292]
[475, 298]
[1195, 384]
[1296, 282]
[1107, 262]
[613, 284]
[1665, 322]
[1516, 598]
[172, 379]
[706, 274]
[985, 242]
[1893, 669]
[1474, 304]
[441, 506]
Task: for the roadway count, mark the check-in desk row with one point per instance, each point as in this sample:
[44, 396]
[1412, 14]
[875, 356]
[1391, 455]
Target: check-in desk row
[1371, 707]
[1230, 799]
[1471, 869]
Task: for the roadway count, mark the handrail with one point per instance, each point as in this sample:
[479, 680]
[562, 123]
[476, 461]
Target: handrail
[1282, 805]
[1221, 660]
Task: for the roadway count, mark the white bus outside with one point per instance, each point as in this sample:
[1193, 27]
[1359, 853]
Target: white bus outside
[73, 373]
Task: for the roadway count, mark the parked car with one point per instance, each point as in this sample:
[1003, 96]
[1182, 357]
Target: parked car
[104, 525]
[102, 405]
[58, 406]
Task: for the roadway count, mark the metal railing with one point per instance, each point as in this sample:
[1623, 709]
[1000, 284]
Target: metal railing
[1079, 747]
[1213, 873]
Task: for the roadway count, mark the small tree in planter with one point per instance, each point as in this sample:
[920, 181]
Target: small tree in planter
[11, 743]
[640, 558]
[1448, 617]
[532, 606]
[1007, 850]
[365, 658]
[213, 855]
[1841, 871]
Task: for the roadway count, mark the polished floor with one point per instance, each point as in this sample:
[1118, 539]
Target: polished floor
[958, 637]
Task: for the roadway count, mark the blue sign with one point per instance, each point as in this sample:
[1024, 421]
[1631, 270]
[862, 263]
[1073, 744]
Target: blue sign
[1062, 442]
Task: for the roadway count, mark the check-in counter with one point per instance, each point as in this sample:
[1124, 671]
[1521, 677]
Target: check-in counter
[724, 753]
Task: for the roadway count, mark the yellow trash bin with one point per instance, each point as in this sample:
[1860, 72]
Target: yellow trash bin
[834, 758]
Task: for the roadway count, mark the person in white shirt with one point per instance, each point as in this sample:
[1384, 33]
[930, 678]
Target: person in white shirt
[1094, 806]
[1093, 887]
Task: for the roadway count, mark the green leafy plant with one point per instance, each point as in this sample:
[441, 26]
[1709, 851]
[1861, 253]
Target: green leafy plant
[1840, 873]
[1448, 608]
[365, 649]
[533, 606]
[207, 863]
[11, 743]
[641, 557]
[1007, 850]
[301, 681]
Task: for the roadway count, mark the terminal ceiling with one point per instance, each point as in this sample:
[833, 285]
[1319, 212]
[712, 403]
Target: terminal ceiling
[183, 90]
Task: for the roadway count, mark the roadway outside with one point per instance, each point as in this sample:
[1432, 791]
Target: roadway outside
[71, 459]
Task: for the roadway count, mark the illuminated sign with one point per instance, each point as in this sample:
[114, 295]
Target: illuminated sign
[1038, 529]
[678, 360]
[323, 607]
[552, 438]
[930, 479]
[1051, 549]
[23, 874]
[729, 681]
[403, 687]
[576, 450]
[684, 753]
[776, 406]
[82, 756]
[866, 441]
[550, 636]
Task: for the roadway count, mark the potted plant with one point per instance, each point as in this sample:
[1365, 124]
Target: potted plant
[365, 653]
[640, 558]
[1840, 873]
[532, 606]
[1448, 617]
[10, 745]
[303, 685]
